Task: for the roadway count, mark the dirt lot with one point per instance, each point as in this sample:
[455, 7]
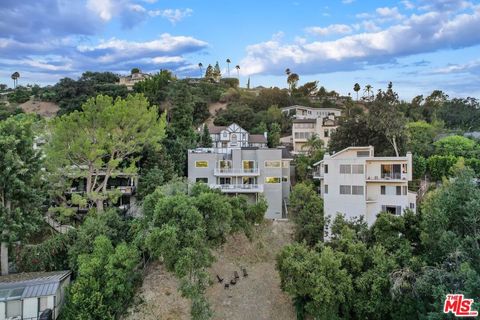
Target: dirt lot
[213, 108]
[45, 109]
[256, 297]
[159, 298]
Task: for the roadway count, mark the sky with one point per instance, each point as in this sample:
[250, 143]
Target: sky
[419, 45]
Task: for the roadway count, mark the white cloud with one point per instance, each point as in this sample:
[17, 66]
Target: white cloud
[173, 15]
[408, 4]
[418, 33]
[331, 29]
[387, 13]
[105, 9]
[370, 26]
[348, 1]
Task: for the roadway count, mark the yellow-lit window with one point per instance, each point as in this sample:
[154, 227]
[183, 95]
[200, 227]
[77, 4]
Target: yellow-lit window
[201, 164]
[273, 164]
[273, 179]
[285, 164]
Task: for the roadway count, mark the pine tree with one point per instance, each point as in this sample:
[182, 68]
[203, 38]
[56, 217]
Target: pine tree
[205, 138]
[209, 72]
[217, 74]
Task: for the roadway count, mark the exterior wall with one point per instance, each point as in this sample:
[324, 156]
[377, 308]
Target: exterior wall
[309, 129]
[274, 193]
[30, 308]
[302, 112]
[2, 310]
[371, 201]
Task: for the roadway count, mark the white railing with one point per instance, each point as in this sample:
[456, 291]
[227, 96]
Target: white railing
[225, 171]
[388, 176]
[317, 175]
[238, 187]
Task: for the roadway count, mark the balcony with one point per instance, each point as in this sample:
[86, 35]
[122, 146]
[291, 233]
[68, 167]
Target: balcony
[317, 175]
[388, 177]
[224, 172]
[238, 188]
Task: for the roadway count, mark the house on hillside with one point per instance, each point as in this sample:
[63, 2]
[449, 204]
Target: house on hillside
[356, 183]
[234, 136]
[130, 80]
[26, 296]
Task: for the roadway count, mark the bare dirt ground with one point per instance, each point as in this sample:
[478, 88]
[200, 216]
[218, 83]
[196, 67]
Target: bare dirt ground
[256, 297]
[44, 109]
[159, 298]
[213, 108]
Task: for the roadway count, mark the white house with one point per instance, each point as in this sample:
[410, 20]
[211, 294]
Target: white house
[234, 136]
[356, 183]
[27, 295]
[302, 112]
[305, 128]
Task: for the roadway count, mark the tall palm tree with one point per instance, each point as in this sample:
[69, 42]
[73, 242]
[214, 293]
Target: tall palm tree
[15, 77]
[368, 91]
[287, 71]
[238, 71]
[200, 66]
[356, 88]
[228, 67]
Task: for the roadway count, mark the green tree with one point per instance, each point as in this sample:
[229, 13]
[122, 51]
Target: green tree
[205, 138]
[440, 166]
[20, 183]
[274, 135]
[103, 140]
[292, 81]
[420, 135]
[306, 208]
[135, 70]
[457, 146]
[356, 88]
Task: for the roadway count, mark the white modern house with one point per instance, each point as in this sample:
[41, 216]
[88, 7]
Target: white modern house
[25, 296]
[356, 183]
[302, 112]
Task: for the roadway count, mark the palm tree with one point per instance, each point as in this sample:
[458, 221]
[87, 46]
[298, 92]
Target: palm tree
[287, 71]
[356, 88]
[15, 77]
[238, 71]
[228, 67]
[368, 90]
[200, 65]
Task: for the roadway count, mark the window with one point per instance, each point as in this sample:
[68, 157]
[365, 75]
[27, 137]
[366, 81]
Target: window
[225, 164]
[357, 190]
[345, 189]
[398, 190]
[345, 168]
[357, 168]
[225, 180]
[391, 171]
[43, 303]
[273, 164]
[204, 180]
[404, 190]
[273, 180]
[412, 205]
[224, 134]
[325, 189]
[397, 210]
[201, 164]
[248, 164]
[14, 309]
[326, 168]
[325, 133]
[361, 154]
[285, 164]
[285, 179]
[383, 190]
[248, 180]
[234, 138]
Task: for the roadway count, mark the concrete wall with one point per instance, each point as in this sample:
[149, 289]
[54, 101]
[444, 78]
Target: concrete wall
[2, 310]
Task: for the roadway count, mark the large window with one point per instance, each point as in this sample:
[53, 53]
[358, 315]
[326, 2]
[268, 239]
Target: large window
[393, 190]
[345, 189]
[225, 180]
[345, 169]
[273, 179]
[357, 168]
[201, 164]
[391, 171]
[357, 190]
[14, 309]
[273, 164]
[203, 180]
[248, 164]
[225, 164]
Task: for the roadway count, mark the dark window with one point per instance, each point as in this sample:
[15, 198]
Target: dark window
[326, 168]
[383, 190]
[204, 180]
[399, 190]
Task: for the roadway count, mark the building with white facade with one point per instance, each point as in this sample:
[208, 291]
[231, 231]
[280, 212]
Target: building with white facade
[305, 128]
[356, 183]
[234, 136]
[248, 171]
[302, 112]
[30, 295]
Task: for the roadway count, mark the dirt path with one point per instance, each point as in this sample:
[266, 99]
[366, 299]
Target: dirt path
[213, 108]
[257, 296]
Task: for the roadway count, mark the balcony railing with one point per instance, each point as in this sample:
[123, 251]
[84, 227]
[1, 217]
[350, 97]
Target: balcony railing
[239, 172]
[317, 175]
[240, 188]
[389, 176]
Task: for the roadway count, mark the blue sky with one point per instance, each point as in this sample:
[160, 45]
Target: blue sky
[419, 45]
